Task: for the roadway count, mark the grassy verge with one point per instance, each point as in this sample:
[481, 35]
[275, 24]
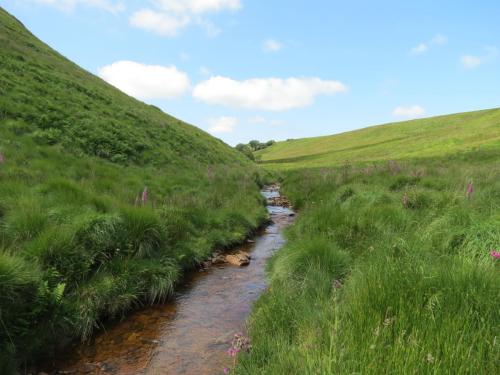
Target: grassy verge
[387, 271]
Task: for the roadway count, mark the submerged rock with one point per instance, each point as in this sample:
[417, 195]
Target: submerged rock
[238, 259]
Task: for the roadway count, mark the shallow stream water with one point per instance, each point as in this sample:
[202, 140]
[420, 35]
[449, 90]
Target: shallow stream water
[191, 333]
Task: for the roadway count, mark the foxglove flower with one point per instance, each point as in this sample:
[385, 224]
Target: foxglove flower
[144, 198]
[470, 189]
[495, 254]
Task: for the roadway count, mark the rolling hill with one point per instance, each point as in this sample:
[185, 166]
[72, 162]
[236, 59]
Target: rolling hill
[104, 201]
[429, 137]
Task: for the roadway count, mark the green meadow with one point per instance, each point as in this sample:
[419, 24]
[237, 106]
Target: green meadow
[388, 268]
[424, 138]
[105, 201]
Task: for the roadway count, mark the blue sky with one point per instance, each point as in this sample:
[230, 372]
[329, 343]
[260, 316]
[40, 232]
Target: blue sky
[279, 69]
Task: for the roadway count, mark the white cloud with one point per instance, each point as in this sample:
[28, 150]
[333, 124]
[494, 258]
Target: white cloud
[270, 94]
[69, 5]
[411, 111]
[421, 48]
[160, 23]
[168, 17]
[272, 45]
[437, 40]
[146, 81]
[472, 61]
[224, 124]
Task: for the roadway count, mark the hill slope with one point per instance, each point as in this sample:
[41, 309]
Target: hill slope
[58, 102]
[430, 137]
[104, 200]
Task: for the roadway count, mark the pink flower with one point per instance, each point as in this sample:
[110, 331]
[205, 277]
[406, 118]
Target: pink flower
[144, 197]
[495, 254]
[226, 370]
[470, 189]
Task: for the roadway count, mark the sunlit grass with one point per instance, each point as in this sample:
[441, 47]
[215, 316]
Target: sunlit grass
[423, 138]
[372, 282]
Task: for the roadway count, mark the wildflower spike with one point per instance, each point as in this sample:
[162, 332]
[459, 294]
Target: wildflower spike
[144, 198]
[470, 189]
[495, 254]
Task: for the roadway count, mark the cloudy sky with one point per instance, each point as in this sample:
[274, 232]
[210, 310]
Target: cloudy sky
[278, 69]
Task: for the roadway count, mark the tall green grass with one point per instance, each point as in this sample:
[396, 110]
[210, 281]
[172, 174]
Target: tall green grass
[386, 271]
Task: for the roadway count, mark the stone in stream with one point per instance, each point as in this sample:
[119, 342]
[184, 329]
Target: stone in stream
[238, 259]
[219, 259]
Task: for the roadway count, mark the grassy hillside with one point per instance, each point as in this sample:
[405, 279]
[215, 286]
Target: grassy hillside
[56, 102]
[391, 265]
[81, 238]
[430, 137]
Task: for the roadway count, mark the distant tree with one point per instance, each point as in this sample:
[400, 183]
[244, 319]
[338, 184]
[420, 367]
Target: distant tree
[245, 150]
[254, 144]
[270, 143]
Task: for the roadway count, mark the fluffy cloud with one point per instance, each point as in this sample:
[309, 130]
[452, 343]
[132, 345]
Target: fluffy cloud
[270, 94]
[222, 124]
[437, 40]
[160, 23]
[272, 45]
[146, 81]
[168, 17]
[471, 61]
[421, 48]
[412, 111]
[68, 5]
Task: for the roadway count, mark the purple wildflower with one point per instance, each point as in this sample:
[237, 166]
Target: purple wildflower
[470, 189]
[226, 370]
[144, 198]
[495, 254]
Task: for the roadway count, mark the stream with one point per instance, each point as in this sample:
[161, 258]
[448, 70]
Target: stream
[191, 333]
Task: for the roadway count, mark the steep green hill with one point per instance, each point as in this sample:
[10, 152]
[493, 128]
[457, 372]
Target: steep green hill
[104, 201]
[60, 103]
[430, 137]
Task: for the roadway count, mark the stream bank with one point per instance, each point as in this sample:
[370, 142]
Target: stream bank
[191, 333]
